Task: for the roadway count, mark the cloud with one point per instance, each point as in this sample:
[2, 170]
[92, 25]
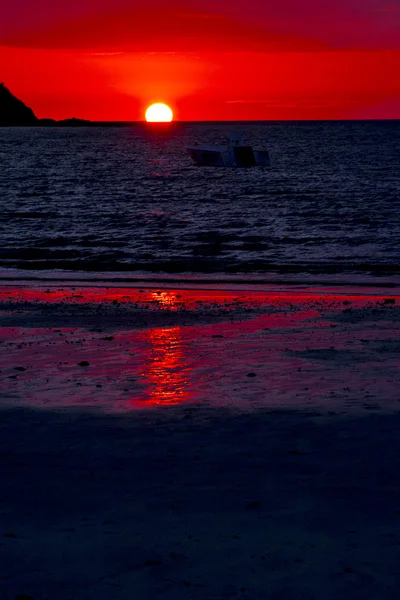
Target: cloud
[160, 28]
[190, 25]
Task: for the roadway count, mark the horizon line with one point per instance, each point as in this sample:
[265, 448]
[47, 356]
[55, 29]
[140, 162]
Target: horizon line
[184, 121]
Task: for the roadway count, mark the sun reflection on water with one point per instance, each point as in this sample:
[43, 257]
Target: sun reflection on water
[166, 370]
[165, 299]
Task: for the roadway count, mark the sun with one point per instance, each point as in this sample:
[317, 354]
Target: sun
[159, 113]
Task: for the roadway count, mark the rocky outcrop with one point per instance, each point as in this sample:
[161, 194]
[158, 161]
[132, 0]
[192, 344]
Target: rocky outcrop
[14, 112]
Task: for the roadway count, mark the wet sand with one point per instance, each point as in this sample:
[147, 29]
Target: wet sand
[199, 444]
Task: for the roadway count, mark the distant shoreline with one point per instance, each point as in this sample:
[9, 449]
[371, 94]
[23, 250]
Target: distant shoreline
[47, 123]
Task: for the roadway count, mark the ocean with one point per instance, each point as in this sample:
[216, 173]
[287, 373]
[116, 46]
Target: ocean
[128, 202]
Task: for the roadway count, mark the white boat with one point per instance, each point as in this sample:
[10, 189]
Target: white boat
[235, 154]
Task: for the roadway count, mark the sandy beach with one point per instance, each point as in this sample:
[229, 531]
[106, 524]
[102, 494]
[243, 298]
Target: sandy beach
[206, 444]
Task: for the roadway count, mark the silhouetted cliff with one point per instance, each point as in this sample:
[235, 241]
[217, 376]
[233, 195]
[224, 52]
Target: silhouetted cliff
[14, 112]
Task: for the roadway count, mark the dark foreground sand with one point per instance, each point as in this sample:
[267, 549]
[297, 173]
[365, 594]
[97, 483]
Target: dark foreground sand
[215, 447]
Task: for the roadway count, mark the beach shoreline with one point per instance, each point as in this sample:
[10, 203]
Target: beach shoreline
[228, 347]
[202, 444]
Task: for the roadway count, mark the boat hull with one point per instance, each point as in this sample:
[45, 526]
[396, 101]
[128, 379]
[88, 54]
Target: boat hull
[207, 157]
[238, 156]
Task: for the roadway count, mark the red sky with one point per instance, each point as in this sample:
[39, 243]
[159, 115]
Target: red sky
[253, 59]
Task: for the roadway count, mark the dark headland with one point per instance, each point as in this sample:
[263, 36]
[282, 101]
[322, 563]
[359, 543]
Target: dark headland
[14, 113]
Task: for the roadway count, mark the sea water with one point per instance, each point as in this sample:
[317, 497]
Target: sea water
[128, 201]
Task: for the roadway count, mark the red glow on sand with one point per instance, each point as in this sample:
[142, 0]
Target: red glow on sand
[224, 347]
[176, 299]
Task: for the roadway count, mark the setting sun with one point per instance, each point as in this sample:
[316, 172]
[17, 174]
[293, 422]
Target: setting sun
[159, 113]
